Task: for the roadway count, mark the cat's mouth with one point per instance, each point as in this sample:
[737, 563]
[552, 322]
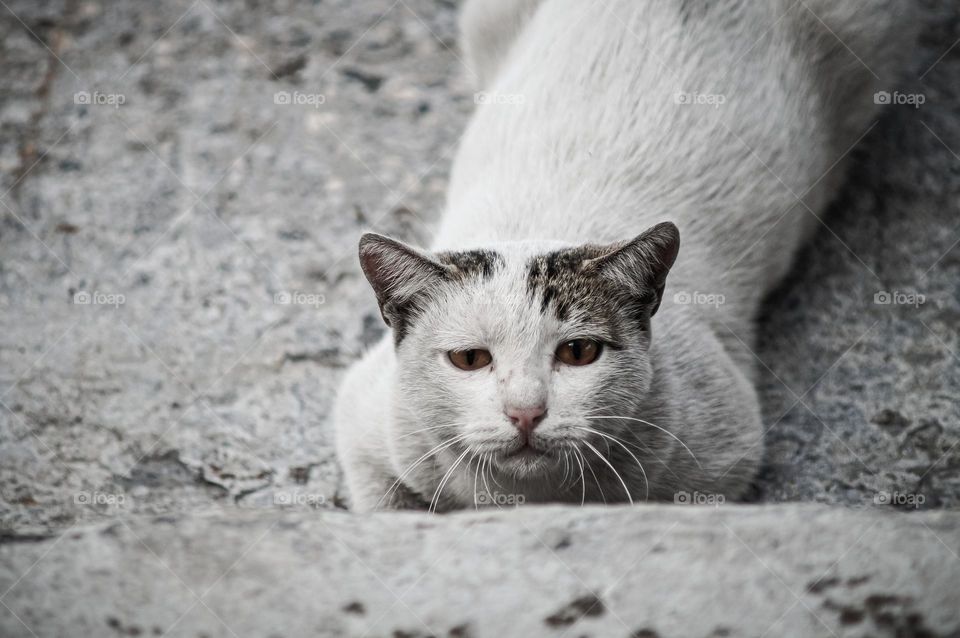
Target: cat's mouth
[525, 459]
[525, 452]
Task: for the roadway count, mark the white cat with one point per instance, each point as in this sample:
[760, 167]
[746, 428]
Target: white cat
[535, 353]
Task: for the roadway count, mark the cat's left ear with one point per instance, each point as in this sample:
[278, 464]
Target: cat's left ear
[642, 264]
[398, 274]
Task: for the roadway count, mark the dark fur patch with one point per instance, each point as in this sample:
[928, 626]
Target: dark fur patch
[558, 278]
[399, 314]
[467, 264]
[560, 281]
[482, 263]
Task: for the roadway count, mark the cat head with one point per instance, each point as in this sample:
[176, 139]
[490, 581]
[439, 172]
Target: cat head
[507, 351]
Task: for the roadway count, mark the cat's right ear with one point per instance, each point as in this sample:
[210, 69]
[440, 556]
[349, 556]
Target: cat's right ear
[398, 274]
[642, 264]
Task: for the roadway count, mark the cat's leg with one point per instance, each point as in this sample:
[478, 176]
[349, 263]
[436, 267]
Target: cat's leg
[708, 401]
[488, 28]
[372, 486]
[362, 422]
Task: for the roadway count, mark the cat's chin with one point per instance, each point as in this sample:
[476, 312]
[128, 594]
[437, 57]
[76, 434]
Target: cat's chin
[526, 462]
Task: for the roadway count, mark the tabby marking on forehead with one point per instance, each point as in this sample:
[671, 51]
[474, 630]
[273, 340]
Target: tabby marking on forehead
[472, 262]
[465, 264]
[559, 278]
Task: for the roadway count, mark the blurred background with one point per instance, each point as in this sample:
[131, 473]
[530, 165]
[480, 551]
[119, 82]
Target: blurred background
[183, 185]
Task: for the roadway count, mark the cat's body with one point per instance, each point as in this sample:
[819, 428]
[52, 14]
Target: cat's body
[601, 120]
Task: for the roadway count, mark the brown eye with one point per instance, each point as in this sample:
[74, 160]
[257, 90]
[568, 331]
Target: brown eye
[470, 359]
[578, 352]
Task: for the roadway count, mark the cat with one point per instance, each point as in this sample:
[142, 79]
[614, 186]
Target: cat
[638, 174]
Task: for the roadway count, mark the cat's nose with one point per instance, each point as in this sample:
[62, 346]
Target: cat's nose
[526, 419]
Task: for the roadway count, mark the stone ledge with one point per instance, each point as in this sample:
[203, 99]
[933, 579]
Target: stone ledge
[799, 570]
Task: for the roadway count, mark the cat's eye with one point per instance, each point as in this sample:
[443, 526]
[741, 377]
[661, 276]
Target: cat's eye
[578, 352]
[472, 359]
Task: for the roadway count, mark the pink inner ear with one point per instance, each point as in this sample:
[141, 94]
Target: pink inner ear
[373, 267]
[381, 259]
[371, 262]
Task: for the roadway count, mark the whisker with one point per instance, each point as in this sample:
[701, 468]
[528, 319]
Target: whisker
[488, 469]
[646, 482]
[654, 425]
[603, 497]
[612, 469]
[436, 449]
[435, 501]
[640, 445]
[476, 474]
[583, 479]
[445, 426]
[427, 429]
[493, 477]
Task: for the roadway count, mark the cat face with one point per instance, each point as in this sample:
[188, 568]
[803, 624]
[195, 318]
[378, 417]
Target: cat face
[506, 353]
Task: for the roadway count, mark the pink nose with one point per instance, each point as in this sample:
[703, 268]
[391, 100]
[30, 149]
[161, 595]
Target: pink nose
[526, 419]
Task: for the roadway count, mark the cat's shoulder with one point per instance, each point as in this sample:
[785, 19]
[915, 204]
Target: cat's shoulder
[364, 397]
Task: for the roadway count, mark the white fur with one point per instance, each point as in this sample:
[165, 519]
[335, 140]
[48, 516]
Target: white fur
[583, 140]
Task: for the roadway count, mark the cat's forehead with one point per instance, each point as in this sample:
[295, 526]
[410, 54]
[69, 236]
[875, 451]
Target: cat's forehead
[508, 268]
[493, 276]
[506, 252]
[526, 288]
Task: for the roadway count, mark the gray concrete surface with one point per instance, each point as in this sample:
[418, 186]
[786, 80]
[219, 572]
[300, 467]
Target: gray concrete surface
[149, 162]
[777, 570]
[200, 200]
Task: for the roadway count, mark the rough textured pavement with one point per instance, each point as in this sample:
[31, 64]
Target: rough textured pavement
[181, 189]
[618, 571]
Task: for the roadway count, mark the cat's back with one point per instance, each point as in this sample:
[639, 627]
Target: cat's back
[597, 118]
